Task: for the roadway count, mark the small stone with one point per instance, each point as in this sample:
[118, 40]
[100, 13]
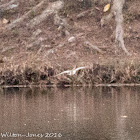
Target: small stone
[71, 39]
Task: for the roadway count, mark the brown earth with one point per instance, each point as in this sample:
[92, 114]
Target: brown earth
[41, 52]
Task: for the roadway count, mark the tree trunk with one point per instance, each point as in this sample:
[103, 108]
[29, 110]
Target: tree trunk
[117, 10]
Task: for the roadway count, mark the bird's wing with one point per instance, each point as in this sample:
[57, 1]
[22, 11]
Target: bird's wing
[67, 71]
[80, 68]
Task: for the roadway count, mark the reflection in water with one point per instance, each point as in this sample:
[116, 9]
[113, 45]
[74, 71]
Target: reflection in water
[77, 113]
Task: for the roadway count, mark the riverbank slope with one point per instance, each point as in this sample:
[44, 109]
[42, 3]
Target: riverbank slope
[37, 48]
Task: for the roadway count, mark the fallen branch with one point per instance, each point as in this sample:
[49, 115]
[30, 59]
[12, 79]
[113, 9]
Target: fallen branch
[82, 14]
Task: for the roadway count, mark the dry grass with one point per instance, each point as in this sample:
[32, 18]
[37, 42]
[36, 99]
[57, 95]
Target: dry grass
[107, 72]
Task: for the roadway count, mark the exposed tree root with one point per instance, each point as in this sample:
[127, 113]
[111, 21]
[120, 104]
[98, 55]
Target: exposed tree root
[16, 22]
[7, 5]
[52, 8]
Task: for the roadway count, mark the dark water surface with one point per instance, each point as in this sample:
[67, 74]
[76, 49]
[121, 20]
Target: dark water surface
[70, 114]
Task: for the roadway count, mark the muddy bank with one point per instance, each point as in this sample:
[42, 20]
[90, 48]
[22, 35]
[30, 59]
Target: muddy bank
[97, 74]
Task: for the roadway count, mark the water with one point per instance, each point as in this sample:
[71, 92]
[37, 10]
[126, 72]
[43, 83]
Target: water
[70, 114]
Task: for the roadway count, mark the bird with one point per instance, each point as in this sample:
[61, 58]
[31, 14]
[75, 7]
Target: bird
[71, 72]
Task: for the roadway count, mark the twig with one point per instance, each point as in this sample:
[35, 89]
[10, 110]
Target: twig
[88, 44]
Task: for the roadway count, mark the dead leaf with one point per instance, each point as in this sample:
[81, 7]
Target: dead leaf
[107, 7]
[5, 21]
